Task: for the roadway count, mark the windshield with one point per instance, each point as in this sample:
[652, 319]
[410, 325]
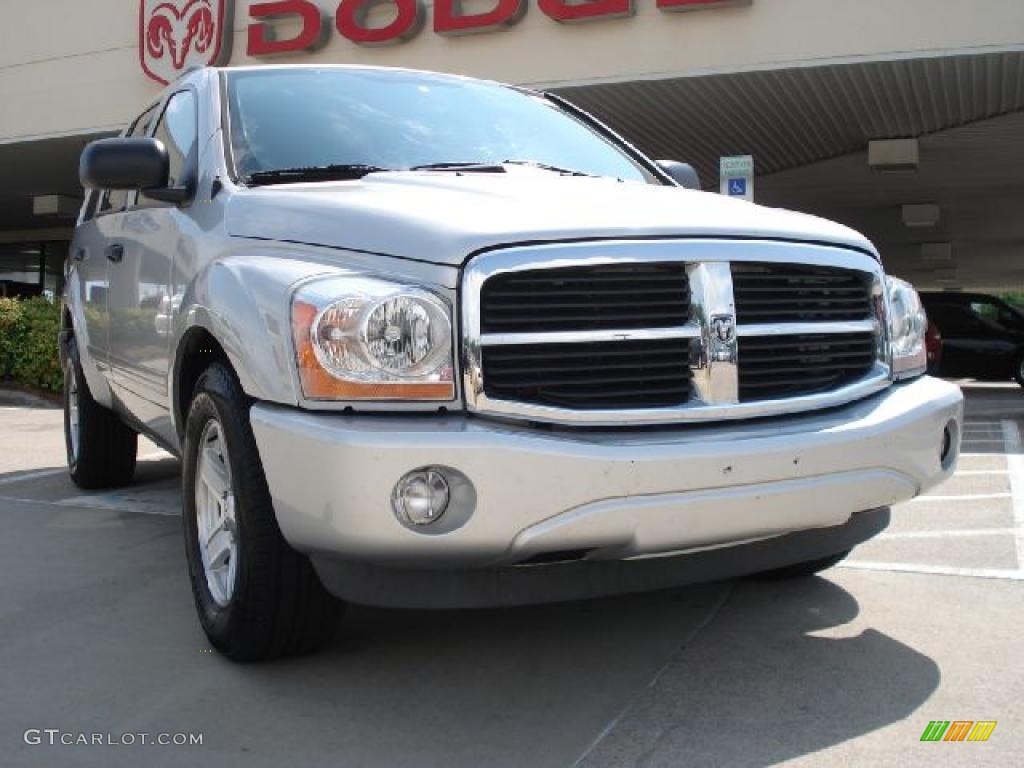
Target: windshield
[396, 120]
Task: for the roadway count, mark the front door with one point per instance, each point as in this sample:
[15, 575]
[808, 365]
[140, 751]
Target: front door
[141, 298]
[89, 275]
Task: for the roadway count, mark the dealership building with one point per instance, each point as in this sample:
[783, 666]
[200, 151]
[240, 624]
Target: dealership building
[901, 118]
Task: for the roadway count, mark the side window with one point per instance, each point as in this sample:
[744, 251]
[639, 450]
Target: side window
[92, 199]
[985, 309]
[117, 199]
[990, 315]
[178, 130]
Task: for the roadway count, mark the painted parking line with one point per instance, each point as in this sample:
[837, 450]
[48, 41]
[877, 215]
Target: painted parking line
[20, 478]
[1015, 463]
[943, 534]
[41, 473]
[964, 497]
[156, 507]
[936, 570]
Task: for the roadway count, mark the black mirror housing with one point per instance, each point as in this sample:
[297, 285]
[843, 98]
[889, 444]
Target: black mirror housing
[684, 174]
[124, 164]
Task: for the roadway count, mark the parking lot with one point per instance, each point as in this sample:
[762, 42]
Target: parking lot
[98, 635]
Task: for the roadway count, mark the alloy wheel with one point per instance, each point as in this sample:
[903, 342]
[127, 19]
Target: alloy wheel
[215, 514]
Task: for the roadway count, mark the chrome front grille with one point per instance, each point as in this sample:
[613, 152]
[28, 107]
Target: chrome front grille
[617, 296]
[592, 375]
[799, 293]
[801, 364]
[670, 331]
[787, 366]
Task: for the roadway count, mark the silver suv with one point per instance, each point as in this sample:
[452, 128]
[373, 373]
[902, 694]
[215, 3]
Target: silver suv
[422, 340]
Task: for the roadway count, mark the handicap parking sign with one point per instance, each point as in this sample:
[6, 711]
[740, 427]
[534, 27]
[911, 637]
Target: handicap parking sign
[738, 187]
[737, 176]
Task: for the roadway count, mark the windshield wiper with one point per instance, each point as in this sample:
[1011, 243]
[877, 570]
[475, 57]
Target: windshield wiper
[497, 167]
[546, 167]
[460, 167]
[339, 172]
[350, 171]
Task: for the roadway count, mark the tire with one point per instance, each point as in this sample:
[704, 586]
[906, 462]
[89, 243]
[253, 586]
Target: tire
[801, 570]
[257, 598]
[1018, 371]
[101, 449]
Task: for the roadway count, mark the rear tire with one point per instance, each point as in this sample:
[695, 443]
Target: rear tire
[101, 450]
[802, 570]
[257, 598]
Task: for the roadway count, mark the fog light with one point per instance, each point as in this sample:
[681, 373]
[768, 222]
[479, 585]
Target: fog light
[421, 497]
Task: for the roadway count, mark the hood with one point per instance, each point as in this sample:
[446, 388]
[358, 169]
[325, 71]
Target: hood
[443, 217]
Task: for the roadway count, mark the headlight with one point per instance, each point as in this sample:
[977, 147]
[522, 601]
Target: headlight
[907, 327]
[366, 339]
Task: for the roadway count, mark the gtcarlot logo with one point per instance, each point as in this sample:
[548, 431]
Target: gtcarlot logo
[56, 737]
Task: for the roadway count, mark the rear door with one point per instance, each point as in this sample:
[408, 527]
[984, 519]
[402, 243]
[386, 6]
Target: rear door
[996, 351]
[967, 343]
[87, 285]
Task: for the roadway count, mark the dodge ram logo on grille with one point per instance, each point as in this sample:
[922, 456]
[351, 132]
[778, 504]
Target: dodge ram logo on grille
[723, 328]
[723, 339]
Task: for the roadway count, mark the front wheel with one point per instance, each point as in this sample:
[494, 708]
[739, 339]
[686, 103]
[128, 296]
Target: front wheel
[802, 570]
[257, 598]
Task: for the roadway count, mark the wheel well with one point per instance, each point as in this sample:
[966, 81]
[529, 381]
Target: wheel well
[198, 350]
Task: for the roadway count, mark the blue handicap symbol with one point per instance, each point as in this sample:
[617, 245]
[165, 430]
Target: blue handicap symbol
[738, 187]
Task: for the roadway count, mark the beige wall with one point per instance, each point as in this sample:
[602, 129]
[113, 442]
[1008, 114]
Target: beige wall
[71, 66]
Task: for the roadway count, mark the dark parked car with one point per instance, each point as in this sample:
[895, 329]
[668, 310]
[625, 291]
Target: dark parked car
[933, 348]
[982, 335]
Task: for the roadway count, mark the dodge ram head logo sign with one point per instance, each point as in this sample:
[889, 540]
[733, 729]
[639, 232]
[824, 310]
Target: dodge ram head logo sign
[175, 35]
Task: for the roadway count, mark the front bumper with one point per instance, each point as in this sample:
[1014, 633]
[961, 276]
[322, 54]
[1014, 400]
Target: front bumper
[603, 494]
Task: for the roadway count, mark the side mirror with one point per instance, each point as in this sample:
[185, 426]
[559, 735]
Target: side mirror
[684, 174]
[130, 164]
[124, 164]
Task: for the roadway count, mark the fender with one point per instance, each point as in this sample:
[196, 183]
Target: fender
[243, 302]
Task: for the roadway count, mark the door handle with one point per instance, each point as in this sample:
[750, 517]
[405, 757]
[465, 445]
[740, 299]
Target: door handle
[115, 253]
